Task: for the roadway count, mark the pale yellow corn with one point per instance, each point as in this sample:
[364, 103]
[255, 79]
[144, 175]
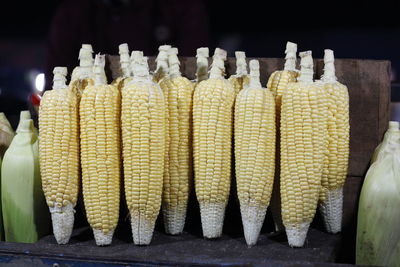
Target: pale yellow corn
[143, 139]
[212, 124]
[59, 154]
[336, 162]
[100, 157]
[254, 152]
[178, 92]
[277, 84]
[303, 148]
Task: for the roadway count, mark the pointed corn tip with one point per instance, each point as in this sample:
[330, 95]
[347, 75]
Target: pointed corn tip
[101, 238]
[331, 210]
[212, 219]
[296, 235]
[174, 219]
[63, 224]
[142, 230]
[252, 219]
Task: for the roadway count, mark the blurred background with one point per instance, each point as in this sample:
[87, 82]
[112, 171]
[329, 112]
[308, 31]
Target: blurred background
[35, 36]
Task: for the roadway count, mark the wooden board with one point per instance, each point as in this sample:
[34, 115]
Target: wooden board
[369, 90]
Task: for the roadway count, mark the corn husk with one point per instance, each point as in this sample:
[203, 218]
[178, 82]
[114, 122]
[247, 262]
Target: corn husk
[25, 214]
[392, 135]
[378, 231]
[6, 134]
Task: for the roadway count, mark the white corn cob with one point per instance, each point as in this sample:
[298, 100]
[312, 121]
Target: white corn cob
[254, 152]
[212, 135]
[303, 149]
[277, 84]
[59, 154]
[100, 155]
[337, 159]
[178, 93]
[143, 139]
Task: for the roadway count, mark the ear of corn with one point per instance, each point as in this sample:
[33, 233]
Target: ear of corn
[59, 154]
[241, 79]
[336, 163]
[392, 135]
[100, 155]
[25, 215]
[202, 64]
[303, 148]
[178, 92]
[162, 63]
[212, 139]
[124, 60]
[82, 76]
[254, 152]
[277, 84]
[143, 139]
[378, 235]
[6, 134]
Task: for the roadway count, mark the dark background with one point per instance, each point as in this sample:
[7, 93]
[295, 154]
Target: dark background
[353, 29]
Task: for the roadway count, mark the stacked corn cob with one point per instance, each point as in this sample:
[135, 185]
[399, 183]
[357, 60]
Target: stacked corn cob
[212, 131]
[336, 164]
[178, 92]
[303, 148]
[202, 64]
[254, 152]
[143, 139]
[100, 154]
[277, 84]
[59, 154]
[241, 79]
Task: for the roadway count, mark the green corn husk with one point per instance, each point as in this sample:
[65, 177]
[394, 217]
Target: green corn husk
[6, 134]
[392, 135]
[25, 214]
[378, 228]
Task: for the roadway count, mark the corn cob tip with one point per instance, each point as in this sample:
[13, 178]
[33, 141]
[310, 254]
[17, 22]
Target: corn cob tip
[255, 74]
[240, 54]
[290, 58]
[331, 210]
[328, 56]
[142, 230]
[252, 219]
[329, 75]
[173, 51]
[25, 126]
[136, 56]
[100, 61]
[291, 47]
[297, 234]
[241, 65]
[123, 48]
[24, 115]
[221, 53]
[63, 223]
[60, 70]
[202, 52]
[101, 238]
[212, 219]
[394, 125]
[87, 47]
[85, 56]
[164, 48]
[307, 67]
[174, 219]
